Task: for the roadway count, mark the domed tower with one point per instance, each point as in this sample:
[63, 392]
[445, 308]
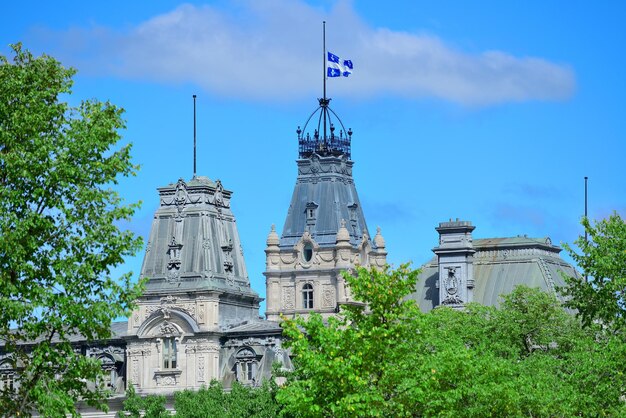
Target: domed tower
[187, 327]
[325, 231]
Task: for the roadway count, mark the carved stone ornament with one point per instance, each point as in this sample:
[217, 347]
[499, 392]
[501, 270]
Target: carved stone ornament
[288, 298]
[168, 329]
[328, 298]
[315, 164]
[246, 353]
[452, 300]
[201, 369]
[174, 249]
[140, 350]
[218, 198]
[228, 257]
[451, 282]
[135, 370]
[168, 300]
[173, 276]
[201, 345]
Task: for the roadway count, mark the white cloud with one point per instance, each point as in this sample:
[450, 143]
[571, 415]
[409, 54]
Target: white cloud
[271, 50]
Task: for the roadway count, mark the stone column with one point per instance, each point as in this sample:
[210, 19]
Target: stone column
[455, 254]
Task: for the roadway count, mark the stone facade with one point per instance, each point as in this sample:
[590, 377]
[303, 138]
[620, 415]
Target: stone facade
[324, 235]
[187, 330]
[466, 269]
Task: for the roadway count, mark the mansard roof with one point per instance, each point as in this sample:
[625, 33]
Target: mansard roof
[323, 196]
[499, 265]
[194, 243]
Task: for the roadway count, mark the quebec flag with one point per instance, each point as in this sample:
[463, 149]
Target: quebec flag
[337, 67]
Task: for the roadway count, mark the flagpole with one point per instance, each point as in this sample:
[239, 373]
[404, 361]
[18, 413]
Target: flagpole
[324, 103]
[324, 58]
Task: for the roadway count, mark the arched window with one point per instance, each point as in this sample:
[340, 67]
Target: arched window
[8, 380]
[307, 296]
[307, 252]
[246, 367]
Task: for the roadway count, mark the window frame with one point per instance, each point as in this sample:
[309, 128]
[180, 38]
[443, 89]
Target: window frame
[170, 353]
[307, 296]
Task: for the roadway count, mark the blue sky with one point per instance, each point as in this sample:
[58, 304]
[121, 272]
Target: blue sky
[491, 112]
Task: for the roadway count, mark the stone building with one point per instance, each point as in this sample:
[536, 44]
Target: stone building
[325, 231]
[480, 270]
[199, 320]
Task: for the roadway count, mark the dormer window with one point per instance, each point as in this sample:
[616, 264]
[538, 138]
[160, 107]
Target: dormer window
[246, 366]
[311, 213]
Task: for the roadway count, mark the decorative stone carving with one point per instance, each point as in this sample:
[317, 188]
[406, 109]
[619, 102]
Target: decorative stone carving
[288, 298]
[168, 329]
[167, 377]
[201, 370]
[135, 370]
[173, 251]
[201, 346]
[173, 276]
[328, 297]
[218, 198]
[168, 299]
[451, 281]
[452, 300]
[144, 349]
[228, 257]
[251, 341]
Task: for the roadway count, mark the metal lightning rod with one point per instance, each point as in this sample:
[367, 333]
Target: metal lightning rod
[586, 238]
[194, 136]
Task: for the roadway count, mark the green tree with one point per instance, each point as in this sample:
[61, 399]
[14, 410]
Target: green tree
[135, 406]
[356, 364]
[240, 402]
[603, 260]
[60, 234]
[385, 358]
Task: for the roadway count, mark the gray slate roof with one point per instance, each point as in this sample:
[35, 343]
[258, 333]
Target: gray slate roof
[500, 264]
[325, 185]
[194, 243]
[254, 326]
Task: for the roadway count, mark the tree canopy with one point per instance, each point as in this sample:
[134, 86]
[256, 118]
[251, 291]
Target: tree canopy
[60, 233]
[601, 295]
[386, 358]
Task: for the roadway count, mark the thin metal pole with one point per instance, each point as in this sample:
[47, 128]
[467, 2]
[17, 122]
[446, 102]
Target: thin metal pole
[324, 73]
[586, 238]
[194, 136]
[324, 58]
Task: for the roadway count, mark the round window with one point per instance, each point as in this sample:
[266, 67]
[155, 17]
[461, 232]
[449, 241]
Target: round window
[307, 252]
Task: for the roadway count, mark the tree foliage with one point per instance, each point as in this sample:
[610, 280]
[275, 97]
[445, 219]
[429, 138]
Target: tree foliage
[385, 358]
[60, 233]
[207, 402]
[241, 401]
[150, 406]
[602, 296]
[356, 364]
